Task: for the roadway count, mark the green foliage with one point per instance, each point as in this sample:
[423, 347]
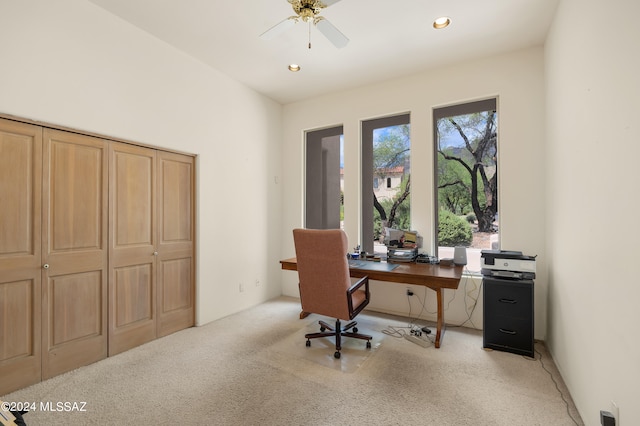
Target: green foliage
[467, 165]
[471, 218]
[453, 230]
[454, 186]
[391, 149]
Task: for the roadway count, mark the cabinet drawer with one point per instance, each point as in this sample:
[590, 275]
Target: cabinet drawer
[509, 333]
[512, 338]
[508, 330]
[508, 298]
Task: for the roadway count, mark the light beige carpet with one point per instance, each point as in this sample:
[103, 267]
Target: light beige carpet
[253, 368]
[352, 355]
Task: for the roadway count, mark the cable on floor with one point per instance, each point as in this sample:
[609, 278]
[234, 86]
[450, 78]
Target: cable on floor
[566, 403]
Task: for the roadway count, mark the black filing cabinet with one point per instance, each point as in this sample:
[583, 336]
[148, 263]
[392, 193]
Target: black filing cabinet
[508, 315]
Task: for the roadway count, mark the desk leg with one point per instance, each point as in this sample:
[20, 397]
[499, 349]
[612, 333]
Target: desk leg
[304, 314]
[441, 325]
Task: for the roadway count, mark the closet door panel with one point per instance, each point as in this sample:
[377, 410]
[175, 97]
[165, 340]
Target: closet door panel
[132, 240]
[177, 296]
[133, 295]
[176, 276]
[20, 254]
[75, 209]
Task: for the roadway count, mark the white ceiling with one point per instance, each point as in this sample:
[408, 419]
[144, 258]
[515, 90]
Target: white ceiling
[388, 38]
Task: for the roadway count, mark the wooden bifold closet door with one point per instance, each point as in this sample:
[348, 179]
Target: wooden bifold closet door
[176, 233]
[151, 272]
[74, 251]
[132, 247]
[53, 253]
[96, 249]
[20, 254]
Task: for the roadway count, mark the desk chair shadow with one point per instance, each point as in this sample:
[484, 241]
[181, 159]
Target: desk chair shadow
[325, 286]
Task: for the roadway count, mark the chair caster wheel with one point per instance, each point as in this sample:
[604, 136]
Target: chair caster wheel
[322, 329]
[308, 343]
[355, 329]
[336, 355]
[368, 344]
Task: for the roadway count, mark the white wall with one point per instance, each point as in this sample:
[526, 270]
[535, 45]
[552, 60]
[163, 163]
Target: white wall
[517, 79]
[70, 63]
[593, 148]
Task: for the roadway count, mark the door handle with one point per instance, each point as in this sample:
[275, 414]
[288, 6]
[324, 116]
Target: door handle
[511, 301]
[155, 253]
[502, 330]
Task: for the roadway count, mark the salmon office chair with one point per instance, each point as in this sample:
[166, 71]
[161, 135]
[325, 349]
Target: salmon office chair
[325, 286]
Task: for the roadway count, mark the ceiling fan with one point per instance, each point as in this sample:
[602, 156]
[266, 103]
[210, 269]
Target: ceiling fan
[309, 11]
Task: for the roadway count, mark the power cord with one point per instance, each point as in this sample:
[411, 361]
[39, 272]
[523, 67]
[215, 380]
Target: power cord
[423, 302]
[475, 304]
[397, 332]
[468, 294]
[566, 403]
[416, 330]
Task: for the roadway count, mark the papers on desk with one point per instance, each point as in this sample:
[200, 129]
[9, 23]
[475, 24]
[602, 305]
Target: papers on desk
[371, 266]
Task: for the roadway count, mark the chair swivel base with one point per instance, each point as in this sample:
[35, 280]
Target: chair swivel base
[349, 330]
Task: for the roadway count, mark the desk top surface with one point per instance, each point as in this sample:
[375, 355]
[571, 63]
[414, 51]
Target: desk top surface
[435, 276]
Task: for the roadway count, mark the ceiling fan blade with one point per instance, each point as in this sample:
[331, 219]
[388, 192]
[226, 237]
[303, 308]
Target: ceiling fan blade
[328, 3]
[334, 35]
[279, 28]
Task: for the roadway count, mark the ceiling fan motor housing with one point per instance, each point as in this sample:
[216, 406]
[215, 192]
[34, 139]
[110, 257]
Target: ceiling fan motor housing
[306, 9]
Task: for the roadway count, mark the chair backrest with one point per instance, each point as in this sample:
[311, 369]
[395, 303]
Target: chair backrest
[323, 271]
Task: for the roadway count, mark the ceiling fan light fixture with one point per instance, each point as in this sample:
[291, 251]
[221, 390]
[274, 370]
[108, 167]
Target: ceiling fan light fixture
[309, 11]
[294, 67]
[441, 22]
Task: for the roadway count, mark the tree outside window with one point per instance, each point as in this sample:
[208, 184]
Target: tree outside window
[386, 179]
[467, 179]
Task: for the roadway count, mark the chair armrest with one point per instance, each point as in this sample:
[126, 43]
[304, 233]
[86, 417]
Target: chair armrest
[362, 281]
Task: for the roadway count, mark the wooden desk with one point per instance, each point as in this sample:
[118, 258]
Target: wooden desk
[435, 277]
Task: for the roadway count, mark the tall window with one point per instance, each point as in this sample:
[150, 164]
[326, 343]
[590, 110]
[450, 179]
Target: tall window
[386, 148]
[466, 170]
[323, 183]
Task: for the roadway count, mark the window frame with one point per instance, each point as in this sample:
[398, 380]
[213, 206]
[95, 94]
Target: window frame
[316, 215]
[489, 104]
[367, 128]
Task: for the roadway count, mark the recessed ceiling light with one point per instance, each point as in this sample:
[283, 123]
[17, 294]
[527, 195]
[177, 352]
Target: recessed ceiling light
[442, 22]
[294, 67]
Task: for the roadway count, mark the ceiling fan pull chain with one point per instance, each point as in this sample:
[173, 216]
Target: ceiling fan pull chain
[309, 35]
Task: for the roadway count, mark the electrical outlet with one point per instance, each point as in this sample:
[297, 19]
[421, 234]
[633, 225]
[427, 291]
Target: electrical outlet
[409, 292]
[257, 283]
[607, 419]
[615, 411]
[241, 287]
